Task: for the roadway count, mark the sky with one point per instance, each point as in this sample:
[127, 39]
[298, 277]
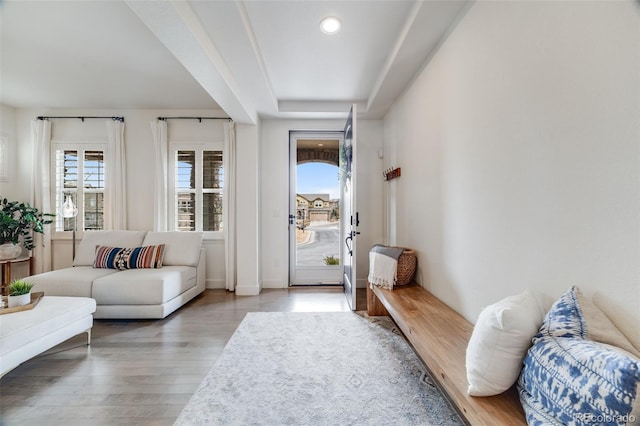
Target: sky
[318, 178]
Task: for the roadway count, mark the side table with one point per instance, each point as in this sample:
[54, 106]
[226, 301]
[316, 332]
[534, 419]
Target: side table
[6, 271]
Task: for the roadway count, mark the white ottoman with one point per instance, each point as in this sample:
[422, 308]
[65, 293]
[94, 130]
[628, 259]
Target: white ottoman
[26, 334]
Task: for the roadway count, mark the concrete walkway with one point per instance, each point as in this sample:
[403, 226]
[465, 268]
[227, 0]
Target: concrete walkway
[324, 241]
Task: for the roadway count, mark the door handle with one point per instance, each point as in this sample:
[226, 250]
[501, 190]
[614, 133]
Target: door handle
[350, 238]
[346, 242]
[291, 219]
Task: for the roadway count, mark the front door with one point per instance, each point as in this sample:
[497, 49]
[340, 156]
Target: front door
[314, 214]
[349, 213]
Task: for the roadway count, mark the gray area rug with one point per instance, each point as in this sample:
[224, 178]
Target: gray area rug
[317, 369]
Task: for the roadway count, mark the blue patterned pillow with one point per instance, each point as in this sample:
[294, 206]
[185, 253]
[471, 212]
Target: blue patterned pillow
[569, 380]
[565, 318]
[122, 258]
[572, 381]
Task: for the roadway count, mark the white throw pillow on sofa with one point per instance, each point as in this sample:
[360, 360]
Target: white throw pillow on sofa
[86, 253]
[499, 343]
[181, 248]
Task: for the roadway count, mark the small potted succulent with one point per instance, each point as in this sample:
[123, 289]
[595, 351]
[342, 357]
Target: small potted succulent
[19, 293]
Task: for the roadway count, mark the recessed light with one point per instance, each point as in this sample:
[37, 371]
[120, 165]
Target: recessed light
[330, 25]
[320, 144]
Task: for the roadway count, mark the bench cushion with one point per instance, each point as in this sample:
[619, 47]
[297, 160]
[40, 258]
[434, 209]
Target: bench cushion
[76, 281]
[50, 314]
[144, 286]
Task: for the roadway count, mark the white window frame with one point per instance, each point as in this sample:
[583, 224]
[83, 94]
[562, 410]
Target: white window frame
[199, 148]
[81, 148]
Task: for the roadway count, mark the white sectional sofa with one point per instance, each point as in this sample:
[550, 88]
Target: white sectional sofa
[132, 293]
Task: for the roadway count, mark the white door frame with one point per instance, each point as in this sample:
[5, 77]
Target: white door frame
[307, 275]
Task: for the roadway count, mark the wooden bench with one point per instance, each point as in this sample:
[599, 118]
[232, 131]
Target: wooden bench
[439, 335]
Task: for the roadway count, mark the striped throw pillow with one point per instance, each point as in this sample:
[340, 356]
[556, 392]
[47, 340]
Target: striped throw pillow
[122, 258]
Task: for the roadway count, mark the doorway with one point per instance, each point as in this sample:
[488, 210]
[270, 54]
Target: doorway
[314, 215]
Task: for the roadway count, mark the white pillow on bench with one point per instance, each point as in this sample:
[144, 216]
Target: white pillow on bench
[499, 342]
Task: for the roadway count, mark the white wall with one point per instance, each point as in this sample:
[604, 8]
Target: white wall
[248, 197]
[519, 148]
[275, 193]
[10, 188]
[8, 130]
[140, 165]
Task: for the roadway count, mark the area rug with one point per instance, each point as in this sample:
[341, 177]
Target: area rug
[317, 369]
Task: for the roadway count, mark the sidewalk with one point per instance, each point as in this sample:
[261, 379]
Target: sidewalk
[304, 237]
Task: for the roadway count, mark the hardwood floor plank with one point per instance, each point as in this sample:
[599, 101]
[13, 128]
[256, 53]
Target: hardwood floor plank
[141, 372]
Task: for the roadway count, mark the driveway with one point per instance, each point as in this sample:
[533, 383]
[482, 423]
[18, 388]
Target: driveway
[325, 242]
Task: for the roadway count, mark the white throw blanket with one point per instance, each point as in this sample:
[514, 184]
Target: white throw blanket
[382, 270]
[383, 266]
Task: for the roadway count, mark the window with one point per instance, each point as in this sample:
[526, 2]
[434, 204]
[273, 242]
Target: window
[80, 174]
[318, 204]
[198, 181]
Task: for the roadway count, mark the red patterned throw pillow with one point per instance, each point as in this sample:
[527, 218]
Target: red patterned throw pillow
[129, 257]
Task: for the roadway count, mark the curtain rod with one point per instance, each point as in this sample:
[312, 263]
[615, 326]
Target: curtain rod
[194, 118]
[121, 119]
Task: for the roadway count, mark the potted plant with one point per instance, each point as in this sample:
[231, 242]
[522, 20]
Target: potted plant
[17, 221]
[19, 293]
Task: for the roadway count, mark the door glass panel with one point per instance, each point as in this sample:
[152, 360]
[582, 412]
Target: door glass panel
[315, 214]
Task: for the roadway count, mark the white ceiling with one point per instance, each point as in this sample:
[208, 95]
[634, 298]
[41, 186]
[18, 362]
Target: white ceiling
[250, 58]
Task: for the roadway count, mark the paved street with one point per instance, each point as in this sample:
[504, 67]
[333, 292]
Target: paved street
[326, 242]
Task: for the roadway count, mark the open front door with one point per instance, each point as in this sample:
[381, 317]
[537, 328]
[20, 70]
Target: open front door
[315, 245]
[348, 213]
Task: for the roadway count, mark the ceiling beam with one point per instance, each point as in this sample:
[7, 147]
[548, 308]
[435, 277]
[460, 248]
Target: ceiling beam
[383, 77]
[271, 99]
[176, 25]
[427, 26]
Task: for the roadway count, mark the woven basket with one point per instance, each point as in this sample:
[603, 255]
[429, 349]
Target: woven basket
[407, 263]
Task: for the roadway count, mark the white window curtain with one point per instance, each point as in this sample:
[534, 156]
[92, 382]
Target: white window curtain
[161, 208]
[41, 192]
[229, 204]
[115, 197]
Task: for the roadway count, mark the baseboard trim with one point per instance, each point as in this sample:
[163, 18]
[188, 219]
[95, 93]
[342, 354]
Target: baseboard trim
[247, 290]
[274, 284]
[215, 284]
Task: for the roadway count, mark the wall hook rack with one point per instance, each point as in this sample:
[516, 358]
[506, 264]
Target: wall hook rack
[391, 173]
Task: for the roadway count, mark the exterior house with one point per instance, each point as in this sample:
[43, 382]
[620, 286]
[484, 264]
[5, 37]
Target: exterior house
[316, 208]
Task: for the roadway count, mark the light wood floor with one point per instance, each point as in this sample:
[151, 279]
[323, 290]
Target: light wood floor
[141, 372]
